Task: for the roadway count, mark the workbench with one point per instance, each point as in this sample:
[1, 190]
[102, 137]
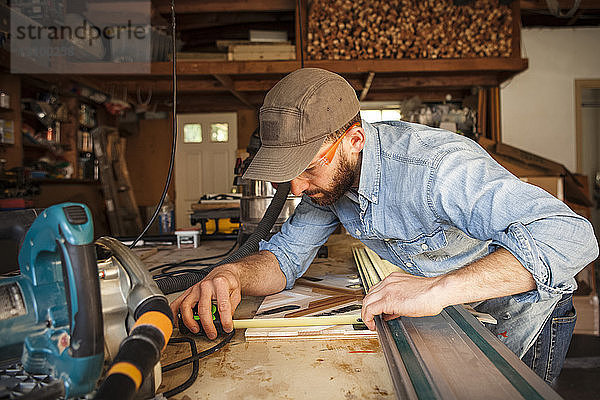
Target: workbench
[315, 369]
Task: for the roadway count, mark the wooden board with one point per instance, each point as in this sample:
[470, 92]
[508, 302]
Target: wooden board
[330, 298]
[263, 51]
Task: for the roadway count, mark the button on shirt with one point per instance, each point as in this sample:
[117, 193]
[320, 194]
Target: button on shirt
[431, 201]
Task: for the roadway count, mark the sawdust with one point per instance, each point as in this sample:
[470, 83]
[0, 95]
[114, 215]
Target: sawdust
[371, 345]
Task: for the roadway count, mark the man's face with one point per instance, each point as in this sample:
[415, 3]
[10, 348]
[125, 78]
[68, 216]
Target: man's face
[326, 184]
[342, 180]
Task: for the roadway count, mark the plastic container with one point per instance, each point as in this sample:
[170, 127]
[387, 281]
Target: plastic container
[166, 217]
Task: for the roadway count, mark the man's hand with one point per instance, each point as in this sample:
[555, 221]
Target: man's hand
[221, 284]
[496, 275]
[401, 294]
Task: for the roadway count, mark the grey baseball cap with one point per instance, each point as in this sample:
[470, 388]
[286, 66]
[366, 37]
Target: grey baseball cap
[297, 115]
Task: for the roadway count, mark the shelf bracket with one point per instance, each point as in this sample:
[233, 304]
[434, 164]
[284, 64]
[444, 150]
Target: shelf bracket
[367, 86]
[227, 83]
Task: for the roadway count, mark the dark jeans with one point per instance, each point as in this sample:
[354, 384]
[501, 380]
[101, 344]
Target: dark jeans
[547, 354]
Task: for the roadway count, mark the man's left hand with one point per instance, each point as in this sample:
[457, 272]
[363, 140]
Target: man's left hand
[401, 294]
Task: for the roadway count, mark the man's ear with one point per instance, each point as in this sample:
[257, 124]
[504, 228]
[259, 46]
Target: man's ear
[356, 137]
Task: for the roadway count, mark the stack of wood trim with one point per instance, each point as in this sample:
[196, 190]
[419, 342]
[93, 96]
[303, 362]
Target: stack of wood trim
[428, 29]
[261, 51]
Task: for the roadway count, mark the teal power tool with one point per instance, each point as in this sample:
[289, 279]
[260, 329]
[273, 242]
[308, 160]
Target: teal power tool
[51, 314]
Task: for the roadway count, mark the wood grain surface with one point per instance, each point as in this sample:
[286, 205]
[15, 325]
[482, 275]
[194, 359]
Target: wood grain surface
[322, 369]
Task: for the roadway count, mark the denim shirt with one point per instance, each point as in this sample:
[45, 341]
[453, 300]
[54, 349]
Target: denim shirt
[431, 201]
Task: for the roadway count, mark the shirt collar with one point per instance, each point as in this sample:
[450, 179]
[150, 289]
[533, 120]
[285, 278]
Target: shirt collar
[370, 171]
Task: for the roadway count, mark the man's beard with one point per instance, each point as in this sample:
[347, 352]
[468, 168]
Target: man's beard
[344, 177]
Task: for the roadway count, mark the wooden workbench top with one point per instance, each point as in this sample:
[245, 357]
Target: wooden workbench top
[282, 369]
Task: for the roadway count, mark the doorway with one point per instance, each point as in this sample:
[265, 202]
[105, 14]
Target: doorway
[204, 160]
[587, 100]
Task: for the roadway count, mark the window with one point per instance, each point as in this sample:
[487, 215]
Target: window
[381, 115]
[192, 133]
[390, 115]
[219, 132]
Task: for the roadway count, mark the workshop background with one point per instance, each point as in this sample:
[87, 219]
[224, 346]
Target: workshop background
[520, 77]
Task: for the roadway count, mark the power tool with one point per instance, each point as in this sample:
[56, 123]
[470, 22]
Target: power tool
[76, 306]
[51, 314]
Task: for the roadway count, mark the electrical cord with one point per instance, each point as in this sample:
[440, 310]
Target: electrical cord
[195, 367]
[200, 355]
[300, 26]
[165, 269]
[174, 143]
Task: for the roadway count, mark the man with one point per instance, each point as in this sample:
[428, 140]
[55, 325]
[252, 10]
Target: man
[430, 201]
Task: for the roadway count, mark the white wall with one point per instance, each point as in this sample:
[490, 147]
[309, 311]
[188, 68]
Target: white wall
[538, 105]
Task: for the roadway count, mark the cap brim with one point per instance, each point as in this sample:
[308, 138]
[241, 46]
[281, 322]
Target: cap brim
[281, 164]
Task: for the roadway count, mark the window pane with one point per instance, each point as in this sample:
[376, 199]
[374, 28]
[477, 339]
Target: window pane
[219, 132]
[390, 115]
[370, 115]
[192, 133]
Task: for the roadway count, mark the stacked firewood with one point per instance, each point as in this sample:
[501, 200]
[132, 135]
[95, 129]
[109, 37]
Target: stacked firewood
[378, 29]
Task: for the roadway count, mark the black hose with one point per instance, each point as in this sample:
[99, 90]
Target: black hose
[172, 284]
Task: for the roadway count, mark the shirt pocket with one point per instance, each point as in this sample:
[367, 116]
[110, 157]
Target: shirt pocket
[423, 243]
[457, 243]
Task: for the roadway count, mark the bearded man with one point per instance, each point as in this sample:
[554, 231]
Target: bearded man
[430, 201]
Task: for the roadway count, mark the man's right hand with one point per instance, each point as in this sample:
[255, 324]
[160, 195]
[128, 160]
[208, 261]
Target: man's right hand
[221, 284]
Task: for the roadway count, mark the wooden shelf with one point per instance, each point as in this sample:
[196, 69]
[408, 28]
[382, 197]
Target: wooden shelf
[57, 181]
[420, 66]
[415, 66]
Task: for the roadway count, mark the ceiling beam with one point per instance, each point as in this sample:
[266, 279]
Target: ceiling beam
[195, 6]
[227, 83]
[165, 85]
[384, 83]
[432, 81]
[366, 86]
[188, 102]
[464, 65]
[424, 95]
[541, 5]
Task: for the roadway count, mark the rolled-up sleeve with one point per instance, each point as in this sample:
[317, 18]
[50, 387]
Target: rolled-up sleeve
[470, 190]
[296, 245]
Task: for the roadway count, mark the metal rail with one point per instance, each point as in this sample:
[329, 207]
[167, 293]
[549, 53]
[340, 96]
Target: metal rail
[450, 355]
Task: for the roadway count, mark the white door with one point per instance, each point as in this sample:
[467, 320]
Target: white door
[204, 160]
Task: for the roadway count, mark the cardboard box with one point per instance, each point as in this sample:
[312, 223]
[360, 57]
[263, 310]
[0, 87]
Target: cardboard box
[555, 185]
[588, 317]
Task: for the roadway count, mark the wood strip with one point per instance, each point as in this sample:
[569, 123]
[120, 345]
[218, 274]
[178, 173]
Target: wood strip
[339, 301]
[365, 279]
[328, 300]
[516, 29]
[376, 264]
[301, 321]
[306, 282]
[370, 270]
